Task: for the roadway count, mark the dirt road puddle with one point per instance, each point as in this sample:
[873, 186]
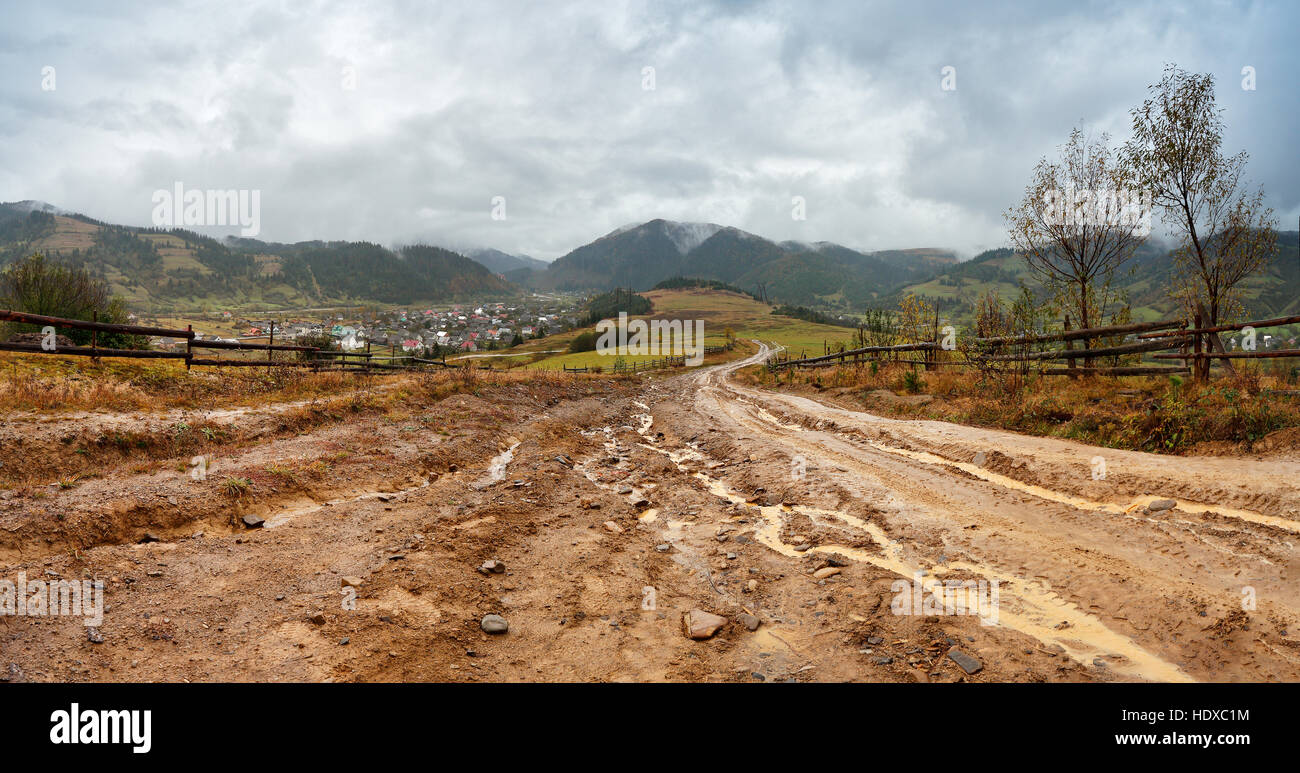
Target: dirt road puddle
[1030, 607]
[497, 467]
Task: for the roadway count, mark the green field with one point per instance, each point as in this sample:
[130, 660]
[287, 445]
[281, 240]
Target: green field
[720, 311]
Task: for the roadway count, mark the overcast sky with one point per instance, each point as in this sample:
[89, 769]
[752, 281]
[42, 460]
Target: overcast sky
[546, 104]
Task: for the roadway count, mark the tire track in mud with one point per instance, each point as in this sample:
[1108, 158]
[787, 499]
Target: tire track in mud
[1032, 605]
[1028, 605]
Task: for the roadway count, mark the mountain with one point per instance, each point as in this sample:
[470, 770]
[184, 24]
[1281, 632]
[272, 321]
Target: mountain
[503, 263]
[821, 273]
[632, 256]
[157, 270]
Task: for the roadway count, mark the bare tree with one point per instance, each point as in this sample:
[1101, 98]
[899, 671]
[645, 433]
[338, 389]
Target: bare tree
[1079, 222]
[1225, 232]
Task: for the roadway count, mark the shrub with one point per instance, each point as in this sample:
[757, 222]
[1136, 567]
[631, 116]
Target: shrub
[37, 286]
[584, 342]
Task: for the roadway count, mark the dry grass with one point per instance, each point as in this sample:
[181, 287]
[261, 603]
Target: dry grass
[45, 384]
[1166, 414]
[301, 402]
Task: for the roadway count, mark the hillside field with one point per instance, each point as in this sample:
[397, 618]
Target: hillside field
[720, 310]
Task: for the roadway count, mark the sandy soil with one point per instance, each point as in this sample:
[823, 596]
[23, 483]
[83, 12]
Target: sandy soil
[618, 509]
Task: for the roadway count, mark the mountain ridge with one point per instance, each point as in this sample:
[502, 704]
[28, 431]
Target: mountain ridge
[155, 269]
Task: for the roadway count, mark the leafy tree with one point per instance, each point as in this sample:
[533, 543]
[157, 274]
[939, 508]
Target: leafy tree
[583, 342]
[609, 305]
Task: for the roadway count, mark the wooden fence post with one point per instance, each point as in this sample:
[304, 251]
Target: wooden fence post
[189, 346]
[1069, 346]
[931, 356]
[1197, 375]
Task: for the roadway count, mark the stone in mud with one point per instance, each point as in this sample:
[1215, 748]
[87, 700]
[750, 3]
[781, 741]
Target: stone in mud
[750, 622]
[802, 546]
[492, 566]
[624, 489]
[317, 619]
[702, 625]
[980, 459]
[664, 548]
[93, 636]
[827, 571]
[613, 528]
[253, 522]
[349, 581]
[150, 537]
[494, 624]
[965, 661]
[1162, 504]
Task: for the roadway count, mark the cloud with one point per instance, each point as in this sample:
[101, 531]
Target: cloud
[543, 103]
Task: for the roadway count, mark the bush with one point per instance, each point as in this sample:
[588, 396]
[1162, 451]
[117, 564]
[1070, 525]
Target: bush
[37, 286]
[584, 342]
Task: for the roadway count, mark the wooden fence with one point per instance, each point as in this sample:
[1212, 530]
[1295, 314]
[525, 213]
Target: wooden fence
[1197, 347]
[310, 356]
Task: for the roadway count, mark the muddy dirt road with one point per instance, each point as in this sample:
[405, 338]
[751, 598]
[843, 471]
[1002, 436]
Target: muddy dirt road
[617, 509]
[1086, 564]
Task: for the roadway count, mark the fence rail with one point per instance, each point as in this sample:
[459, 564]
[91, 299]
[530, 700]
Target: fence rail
[314, 357]
[1197, 347]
